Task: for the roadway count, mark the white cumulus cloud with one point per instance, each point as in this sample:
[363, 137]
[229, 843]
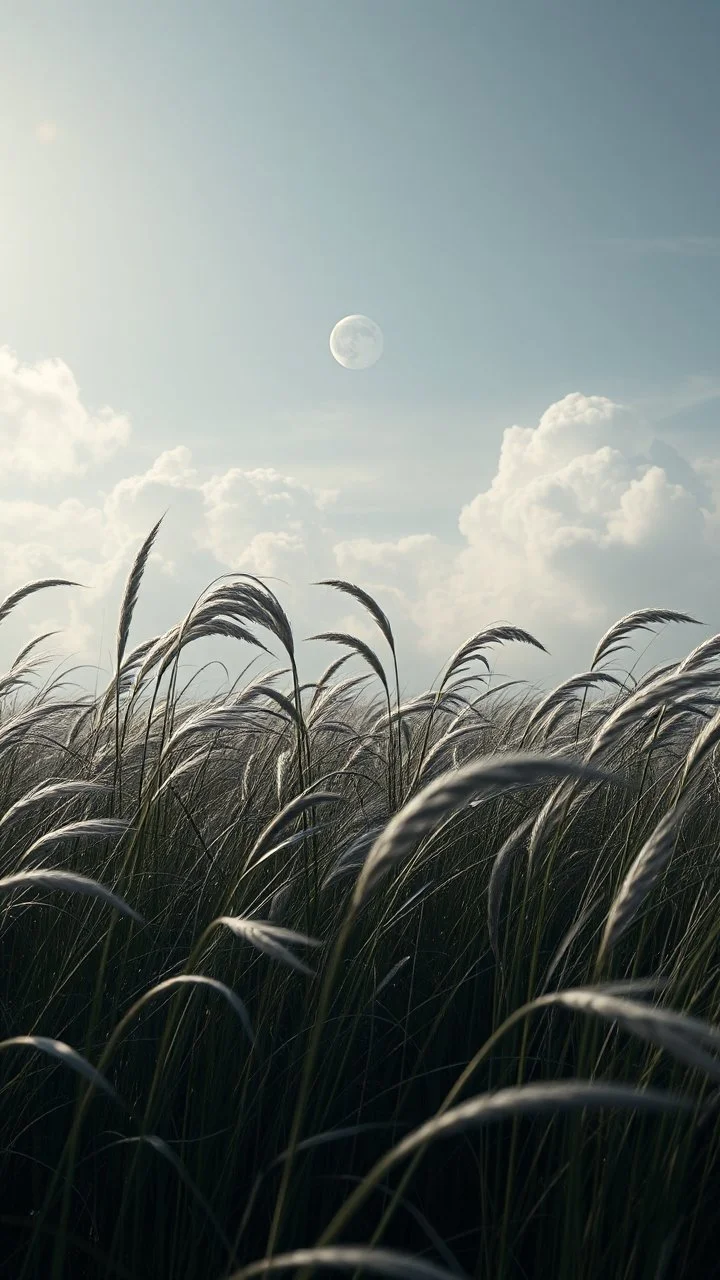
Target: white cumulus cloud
[45, 429]
[578, 526]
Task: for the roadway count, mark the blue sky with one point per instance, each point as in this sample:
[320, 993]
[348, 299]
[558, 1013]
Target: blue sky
[524, 195]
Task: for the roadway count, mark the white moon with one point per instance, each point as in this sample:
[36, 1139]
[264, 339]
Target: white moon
[356, 342]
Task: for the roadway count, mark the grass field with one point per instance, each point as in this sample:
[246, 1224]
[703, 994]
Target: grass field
[307, 979]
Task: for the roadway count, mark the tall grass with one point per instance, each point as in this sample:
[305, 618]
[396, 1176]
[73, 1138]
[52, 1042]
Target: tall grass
[310, 979]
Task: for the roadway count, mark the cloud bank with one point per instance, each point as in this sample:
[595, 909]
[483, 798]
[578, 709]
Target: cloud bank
[587, 517]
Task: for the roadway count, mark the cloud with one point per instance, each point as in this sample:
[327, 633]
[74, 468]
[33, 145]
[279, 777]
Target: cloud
[587, 517]
[416, 548]
[45, 429]
[578, 526]
[37, 537]
[262, 521]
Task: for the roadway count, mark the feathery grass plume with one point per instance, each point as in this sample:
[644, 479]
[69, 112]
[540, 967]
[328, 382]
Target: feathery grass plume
[451, 700]
[220, 619]
[567, 940]
[703, 746]
[270, 939]
[448, 740]
[18, 672]
[10, 602]
[337, 726]
[563, 692]
[84, 829]
[126, 676]
[87, 718]
[294, 809]
[664, 690]
[335, 694]
[281, 769]
[20, 728]
[662, 733]
[706, 651]
[366, 747]
[61, 790]
[417, 707]
[349, 1257]
[694, 704]
[639, 620]
[32, 644]
[383, 623]
[168, 642]
[132, 588]
[262, 601]
[264, 690]
[366, 600]
[654, 674]
[329, 1136]
[290, 842]
[359, 647]
[254, 602]
[327, 676]
[14, 680]
[562, 802]
[555, 718]
[245, 790]
[65, 1054]
[536, 1099]
[664, 740]
[279, 901]
[394, 768]
[31, 665]
[193, 981]
[445, 795]
[201, 629]
[501, 867]
[678, 1034]
[352, 858]
[231, 717]
[68, 882]
[471, 650]
[207, 618]
[390, 975]
[641, 878]
[488, 693]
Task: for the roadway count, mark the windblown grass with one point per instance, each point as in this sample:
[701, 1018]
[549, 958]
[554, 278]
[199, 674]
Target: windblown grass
[309, 979]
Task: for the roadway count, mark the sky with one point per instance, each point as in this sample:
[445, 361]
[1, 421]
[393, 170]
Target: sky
[524, 196]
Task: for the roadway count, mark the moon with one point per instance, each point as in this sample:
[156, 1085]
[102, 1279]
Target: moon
[356, 342]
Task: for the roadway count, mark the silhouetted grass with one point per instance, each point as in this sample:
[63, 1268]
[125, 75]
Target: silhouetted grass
[307, 978]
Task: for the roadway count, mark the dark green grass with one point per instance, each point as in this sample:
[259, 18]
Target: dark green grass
[242, 1131]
